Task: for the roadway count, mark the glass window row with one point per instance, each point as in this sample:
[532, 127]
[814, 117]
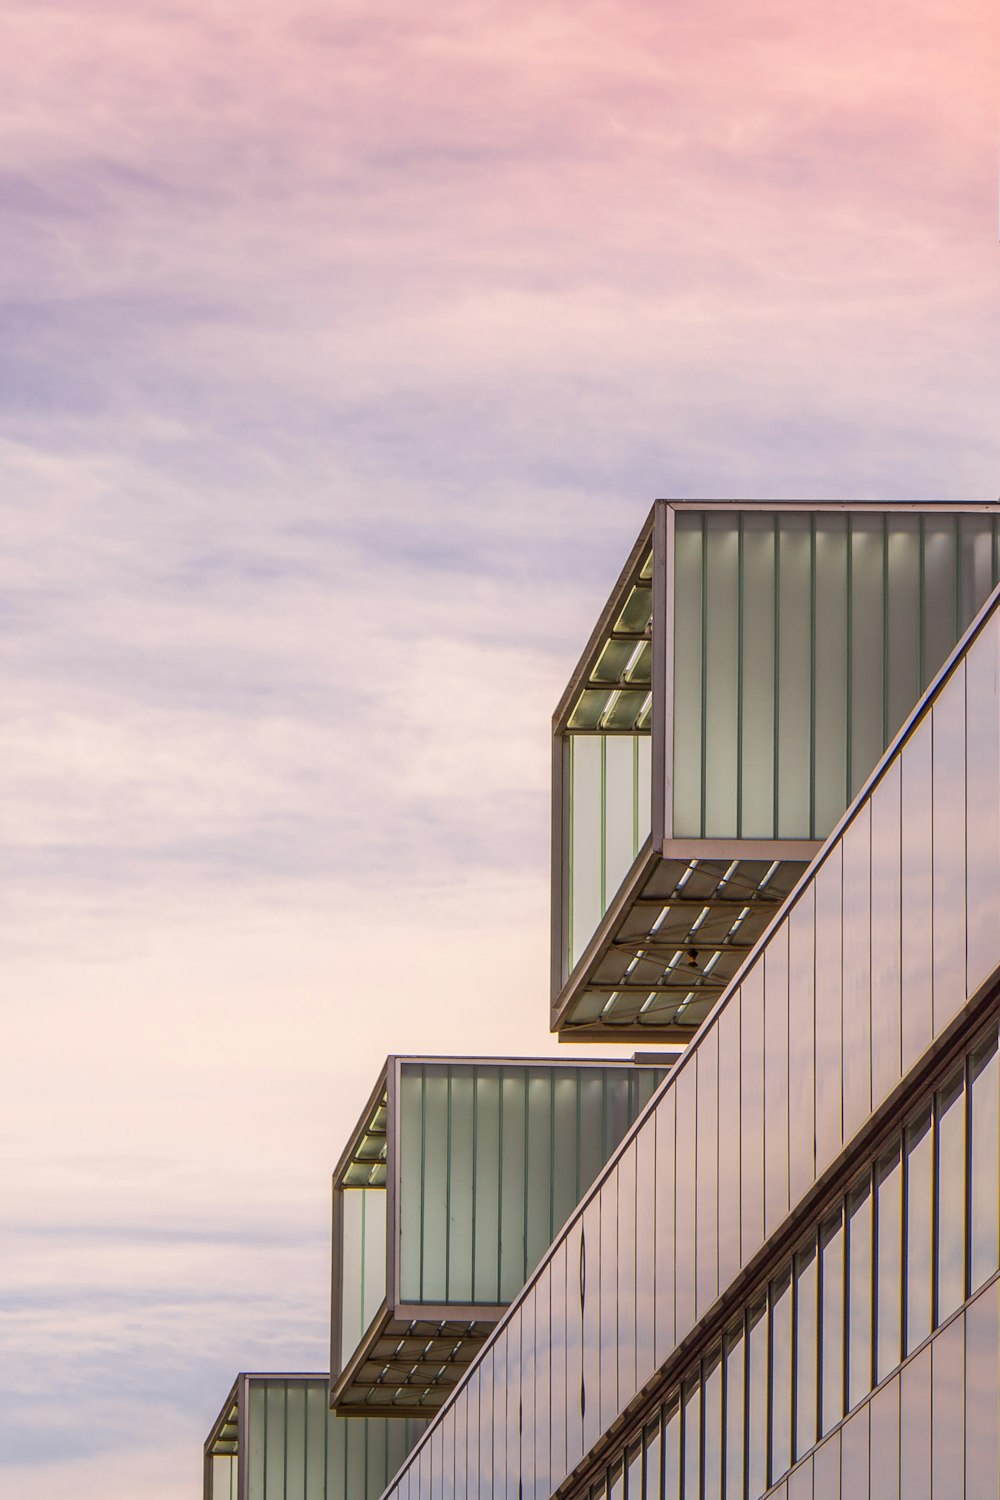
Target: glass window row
[914, 1237]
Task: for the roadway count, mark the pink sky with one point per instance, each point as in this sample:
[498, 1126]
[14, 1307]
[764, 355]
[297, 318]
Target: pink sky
[342, 351]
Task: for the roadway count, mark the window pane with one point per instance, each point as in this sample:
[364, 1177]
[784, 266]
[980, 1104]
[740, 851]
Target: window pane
[806, 1346]
[652, 1477]
[671, 1450]
[950, 1196]
[832, 1320]
[859, 1287]
[712, 1426]
[757, 1363]
[692, 1439]
[781, 1375]
[918, 1231]
[735, 1401]
[633, 1472]
[984, 1070]
[889, 1214]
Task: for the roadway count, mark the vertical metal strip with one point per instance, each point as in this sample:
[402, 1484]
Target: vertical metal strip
[812, 676]
[704, 669]
[776, 707]
[475, 1189]
[662, 674]
[739, 674]
[885, 631]
[447, 1196]
[500, 1134]
[921, 587]
[243, 1454]
[552, 1153]
[849, 668]
[423, 1175]
[526, 1168]
[604, 824]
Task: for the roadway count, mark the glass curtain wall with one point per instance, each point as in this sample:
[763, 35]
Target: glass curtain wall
[492, 1162]
[809, 1061]
[294, 1448]
[931, 1431]
[802, 640]
[838, 1318]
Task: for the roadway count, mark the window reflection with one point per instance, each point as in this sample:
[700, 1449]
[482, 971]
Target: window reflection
[888, 1298]
[757, 1363]
[831, 1257]
[859, 1293]
[806, 1346]
[692, 1439]
[984, 1250]
[950, 1196]
[918, 1230]
[781, 1375]
[712, 1427]
[735, 1401]
[891, 1262]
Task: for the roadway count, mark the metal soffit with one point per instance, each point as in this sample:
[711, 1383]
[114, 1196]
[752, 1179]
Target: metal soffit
[663, 957]
[409, 1367]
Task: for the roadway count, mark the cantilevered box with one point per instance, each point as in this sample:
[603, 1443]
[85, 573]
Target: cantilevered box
[276, 1439]
[450, 1190]
[752, 664]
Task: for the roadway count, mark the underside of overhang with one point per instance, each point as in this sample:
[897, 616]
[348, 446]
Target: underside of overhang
[677, 933]
[407, 1363]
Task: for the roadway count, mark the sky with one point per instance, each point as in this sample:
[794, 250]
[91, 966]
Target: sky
[343, 349]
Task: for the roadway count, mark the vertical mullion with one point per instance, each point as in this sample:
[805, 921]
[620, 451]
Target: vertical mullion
[423, 1170]
[812, 676]
[848, 674]
[704, 667]
[776, 627]
[739, 676]
[474, 1185]
[447, 1202]
[885, 631]
[500, 1114]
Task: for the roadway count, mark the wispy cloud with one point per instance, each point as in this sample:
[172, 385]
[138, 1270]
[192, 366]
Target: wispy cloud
[341, 352]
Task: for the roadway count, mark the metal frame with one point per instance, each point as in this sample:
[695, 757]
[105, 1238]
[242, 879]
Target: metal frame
[455, 1331]
[658, 533]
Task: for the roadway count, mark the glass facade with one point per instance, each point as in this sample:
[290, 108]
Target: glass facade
[287, 1445]
[885, 1264]
[802, 639]
[742, 685]
[480, 1166]
[782, 1277]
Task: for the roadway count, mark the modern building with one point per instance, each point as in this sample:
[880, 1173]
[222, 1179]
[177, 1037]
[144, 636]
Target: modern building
[777, 839]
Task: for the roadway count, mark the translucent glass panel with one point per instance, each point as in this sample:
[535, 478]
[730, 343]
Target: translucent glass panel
[609, 820]
[362, 1261]
[492, 1161]
[296, 1449]
[222, 1477]
[802, 640]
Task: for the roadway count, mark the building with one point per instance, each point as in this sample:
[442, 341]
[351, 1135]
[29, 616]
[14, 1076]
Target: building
[777, 839]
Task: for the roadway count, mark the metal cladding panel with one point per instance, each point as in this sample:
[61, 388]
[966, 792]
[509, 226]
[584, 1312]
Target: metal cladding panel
[296, 1449]
[492, 1159]
[839, 1273]
[801, 641]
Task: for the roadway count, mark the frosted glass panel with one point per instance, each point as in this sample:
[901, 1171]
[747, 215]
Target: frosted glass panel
[802, 641]
[610, 820]
[363, 1263]
[492, 1161]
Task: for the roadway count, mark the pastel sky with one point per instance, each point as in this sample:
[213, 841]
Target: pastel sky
[342, 351]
